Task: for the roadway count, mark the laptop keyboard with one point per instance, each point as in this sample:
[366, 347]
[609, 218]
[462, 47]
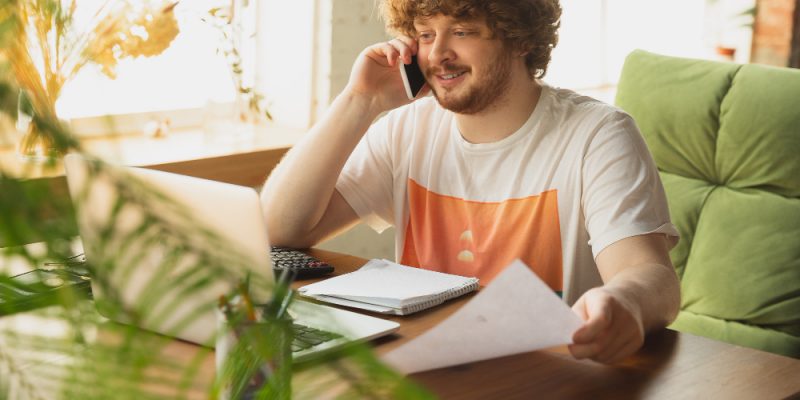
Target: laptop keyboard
[306, 337]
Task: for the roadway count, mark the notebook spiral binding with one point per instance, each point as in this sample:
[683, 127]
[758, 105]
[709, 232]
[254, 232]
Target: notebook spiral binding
[441, 298]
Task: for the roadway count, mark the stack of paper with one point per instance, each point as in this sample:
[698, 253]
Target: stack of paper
[390, 288]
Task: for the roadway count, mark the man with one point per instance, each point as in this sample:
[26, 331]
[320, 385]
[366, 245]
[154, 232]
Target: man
[495, 166]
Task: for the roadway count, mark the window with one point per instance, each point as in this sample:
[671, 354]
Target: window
[176, 84]
[596, 36]
[306, 49]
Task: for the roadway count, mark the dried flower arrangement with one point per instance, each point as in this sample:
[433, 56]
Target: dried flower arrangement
[48, 48]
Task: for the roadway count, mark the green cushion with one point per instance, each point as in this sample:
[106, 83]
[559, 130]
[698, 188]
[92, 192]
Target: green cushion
[738, 333]
[726, 139]
[741, 268]
[686, 198]
[676, 103]
[759, 140]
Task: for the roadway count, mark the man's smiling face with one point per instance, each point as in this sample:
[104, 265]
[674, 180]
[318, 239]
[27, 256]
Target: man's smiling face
[468, 69]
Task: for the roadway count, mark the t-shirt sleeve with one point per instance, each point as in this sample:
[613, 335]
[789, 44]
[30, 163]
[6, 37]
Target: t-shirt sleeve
[622, 191]
[366, 181]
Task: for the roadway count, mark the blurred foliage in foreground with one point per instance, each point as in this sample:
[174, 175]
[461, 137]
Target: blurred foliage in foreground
[68, 350]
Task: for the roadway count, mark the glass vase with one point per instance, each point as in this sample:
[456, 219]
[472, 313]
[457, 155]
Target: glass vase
[254, 358]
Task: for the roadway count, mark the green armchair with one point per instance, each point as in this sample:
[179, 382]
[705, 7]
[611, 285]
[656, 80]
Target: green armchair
[726, 139]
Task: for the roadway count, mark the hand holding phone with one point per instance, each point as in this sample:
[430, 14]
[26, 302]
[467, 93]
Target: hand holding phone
[413, 79]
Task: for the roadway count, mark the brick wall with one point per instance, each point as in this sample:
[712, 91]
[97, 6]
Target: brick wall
[772, 32]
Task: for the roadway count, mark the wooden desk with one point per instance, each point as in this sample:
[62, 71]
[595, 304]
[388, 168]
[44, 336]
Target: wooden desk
[671, 365]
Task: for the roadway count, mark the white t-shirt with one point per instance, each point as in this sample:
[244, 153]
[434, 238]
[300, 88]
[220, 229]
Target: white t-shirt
[575, 178]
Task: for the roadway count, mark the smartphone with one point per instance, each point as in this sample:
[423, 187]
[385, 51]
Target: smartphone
[413, 79]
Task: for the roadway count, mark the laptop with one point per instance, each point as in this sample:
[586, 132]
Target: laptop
[224, 220]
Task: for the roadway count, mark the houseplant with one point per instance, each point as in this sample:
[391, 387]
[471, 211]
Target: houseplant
[226, 18]
[730, 22]
[100, 360]
[46, 47]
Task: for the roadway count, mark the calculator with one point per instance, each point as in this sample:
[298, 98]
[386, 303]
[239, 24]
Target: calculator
[298, 264]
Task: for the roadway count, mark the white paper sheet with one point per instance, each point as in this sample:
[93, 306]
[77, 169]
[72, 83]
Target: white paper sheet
[516, 313]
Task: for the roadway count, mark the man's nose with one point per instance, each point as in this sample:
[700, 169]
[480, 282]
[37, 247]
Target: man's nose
[440, 52]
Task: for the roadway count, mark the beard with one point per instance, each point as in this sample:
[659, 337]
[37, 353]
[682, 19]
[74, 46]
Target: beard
[481, 95]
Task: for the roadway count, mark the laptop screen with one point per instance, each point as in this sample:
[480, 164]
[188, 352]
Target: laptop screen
[180, 240]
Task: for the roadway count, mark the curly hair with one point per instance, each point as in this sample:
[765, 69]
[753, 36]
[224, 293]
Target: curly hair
[526, 25]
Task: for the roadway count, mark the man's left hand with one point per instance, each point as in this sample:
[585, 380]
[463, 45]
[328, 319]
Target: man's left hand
[612, 330]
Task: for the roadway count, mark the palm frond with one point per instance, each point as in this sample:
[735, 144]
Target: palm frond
[69, 348]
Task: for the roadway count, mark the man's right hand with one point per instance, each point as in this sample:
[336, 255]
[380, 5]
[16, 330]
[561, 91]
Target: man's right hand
[300, 201]
[376, 75]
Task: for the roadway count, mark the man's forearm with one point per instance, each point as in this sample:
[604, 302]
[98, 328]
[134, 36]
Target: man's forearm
[641, 294]
[298, 191]
[653, 290]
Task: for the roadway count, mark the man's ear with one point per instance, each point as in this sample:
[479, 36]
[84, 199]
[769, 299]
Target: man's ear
[523, 50]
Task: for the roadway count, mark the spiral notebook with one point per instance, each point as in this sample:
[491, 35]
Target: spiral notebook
[386, 287]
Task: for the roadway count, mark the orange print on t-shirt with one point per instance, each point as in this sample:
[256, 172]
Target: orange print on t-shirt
[479, 239]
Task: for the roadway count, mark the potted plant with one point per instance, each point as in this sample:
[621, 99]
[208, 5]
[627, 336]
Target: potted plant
[729, 21]
[101, 360]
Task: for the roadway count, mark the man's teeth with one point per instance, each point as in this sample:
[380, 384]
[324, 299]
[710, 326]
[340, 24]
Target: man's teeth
[452, 76]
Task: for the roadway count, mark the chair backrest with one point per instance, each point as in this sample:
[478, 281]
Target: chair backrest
[726, 139]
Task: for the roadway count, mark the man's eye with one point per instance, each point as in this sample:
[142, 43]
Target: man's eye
[424, 37]
[461, 33]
